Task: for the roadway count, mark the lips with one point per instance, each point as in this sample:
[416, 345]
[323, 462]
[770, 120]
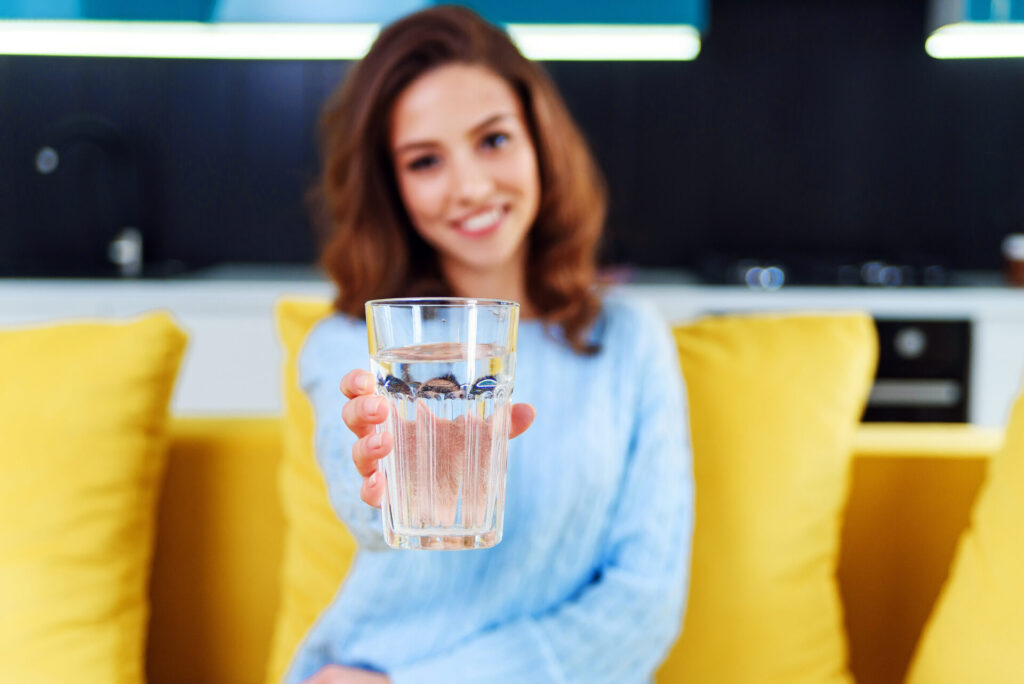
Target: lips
[481, 222]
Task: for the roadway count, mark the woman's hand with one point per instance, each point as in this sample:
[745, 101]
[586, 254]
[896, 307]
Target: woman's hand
[365, 410]
[339, 674]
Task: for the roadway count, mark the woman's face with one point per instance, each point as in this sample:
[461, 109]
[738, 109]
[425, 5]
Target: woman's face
[466, 167]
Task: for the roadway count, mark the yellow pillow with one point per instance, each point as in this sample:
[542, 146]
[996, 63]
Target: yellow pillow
[976, 632]
[774, 404]
[83, 409]
[317, 548]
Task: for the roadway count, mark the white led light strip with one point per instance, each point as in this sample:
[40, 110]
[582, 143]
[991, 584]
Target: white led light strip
[186, 39]
[606, 42]
[968, 40]
[195, 40]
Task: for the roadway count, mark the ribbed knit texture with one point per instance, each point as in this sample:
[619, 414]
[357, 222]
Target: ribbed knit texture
[589, 581]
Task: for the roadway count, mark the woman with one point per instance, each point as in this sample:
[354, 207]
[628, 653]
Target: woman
[453, 168]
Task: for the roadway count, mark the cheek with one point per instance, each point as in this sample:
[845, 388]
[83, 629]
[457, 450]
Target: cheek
[422, 197]
[521, 174]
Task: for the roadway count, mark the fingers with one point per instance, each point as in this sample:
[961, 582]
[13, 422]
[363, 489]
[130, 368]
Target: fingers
[363, 413]
[370, 449]
[366, 454]
[373, 489]
[522, 417]
[364, 410]
[357, 383]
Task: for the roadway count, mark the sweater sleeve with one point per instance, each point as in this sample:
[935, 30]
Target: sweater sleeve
[619, 627]
[332, 349]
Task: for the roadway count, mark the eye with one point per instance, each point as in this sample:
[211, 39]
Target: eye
[427, 161]
[495, 140]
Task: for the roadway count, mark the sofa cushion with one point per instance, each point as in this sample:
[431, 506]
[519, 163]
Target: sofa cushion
[774, 404]
[83, 409]
[976, 631]
[317, 548]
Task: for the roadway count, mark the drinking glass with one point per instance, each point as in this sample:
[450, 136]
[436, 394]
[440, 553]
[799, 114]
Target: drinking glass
[446, 367]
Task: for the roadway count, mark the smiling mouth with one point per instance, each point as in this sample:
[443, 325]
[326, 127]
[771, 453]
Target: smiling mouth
[482, 222]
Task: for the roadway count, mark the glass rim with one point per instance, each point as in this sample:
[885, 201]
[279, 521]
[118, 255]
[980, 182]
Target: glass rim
[452, 302]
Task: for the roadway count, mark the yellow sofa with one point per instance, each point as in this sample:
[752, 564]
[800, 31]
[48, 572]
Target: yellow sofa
[795, 547]
[214, 584]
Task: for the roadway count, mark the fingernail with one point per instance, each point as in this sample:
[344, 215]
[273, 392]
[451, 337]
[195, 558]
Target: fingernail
[363, 383]
[377, 441]
[373, 479]
[379, 405]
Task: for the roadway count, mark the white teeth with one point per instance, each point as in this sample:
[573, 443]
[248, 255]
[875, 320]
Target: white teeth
[481, 221]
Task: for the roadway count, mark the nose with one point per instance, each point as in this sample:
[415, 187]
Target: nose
[471, 181]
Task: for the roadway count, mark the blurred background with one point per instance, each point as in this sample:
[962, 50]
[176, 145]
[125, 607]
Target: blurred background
[760, 144]
[762, 156]
[815, 135]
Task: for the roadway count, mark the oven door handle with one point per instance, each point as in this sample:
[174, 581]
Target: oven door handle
[939, 392]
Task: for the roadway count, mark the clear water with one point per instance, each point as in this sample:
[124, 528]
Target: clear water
[449, 414]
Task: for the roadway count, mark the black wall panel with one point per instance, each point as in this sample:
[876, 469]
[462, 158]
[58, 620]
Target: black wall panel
[818, 128]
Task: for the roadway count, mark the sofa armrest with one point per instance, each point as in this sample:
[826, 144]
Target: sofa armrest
[214, 585]
[911, 494]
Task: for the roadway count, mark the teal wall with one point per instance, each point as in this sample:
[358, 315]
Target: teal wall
[40, 9]
[994, 10]
[134, 10]
[581, 11]
[501, 11]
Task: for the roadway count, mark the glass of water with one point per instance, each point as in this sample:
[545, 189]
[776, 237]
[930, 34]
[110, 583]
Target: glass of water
[446, 367]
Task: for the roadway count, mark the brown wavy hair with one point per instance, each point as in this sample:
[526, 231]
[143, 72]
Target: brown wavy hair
[369, 247]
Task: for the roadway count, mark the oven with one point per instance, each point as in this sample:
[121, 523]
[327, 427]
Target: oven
[923, 371]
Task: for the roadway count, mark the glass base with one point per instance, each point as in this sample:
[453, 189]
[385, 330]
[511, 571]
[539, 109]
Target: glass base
[442, 542]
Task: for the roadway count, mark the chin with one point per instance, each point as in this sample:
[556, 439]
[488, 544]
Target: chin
[488, 261]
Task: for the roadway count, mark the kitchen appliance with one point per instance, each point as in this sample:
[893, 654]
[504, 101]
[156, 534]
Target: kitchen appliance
[923, 371]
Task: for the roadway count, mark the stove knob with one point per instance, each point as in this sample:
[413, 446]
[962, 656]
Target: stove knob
[764, 278]
[871, 272]
[890, 276]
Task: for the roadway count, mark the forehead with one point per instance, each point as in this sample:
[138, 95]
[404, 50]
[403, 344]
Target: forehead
[450, 100]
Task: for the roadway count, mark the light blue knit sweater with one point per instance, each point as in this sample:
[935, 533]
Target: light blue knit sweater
[589, 581]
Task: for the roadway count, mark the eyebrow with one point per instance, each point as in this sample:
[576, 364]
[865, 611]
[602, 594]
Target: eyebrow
[486, 123]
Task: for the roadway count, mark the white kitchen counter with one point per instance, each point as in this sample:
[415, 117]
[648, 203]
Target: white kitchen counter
[232, 365]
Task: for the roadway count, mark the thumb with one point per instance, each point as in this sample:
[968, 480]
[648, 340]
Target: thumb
[522, 417]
